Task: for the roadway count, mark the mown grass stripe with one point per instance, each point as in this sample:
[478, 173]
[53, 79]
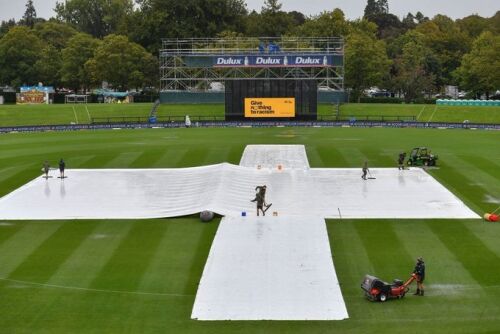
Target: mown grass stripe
[15, 250]
[199, 257]
[235, 153]
[146, 159]
[194, 156]
[170, 158]
[8, 229]
[384, 248]
[482, 165]
[19, 178]
[354, 157]
[127, 265]
[92, 254]
[313, 156]
[8, 172]
[480, 261]
[123, 160]
[217, 155]
[349, 255]
[487, 232]
[331, 157]
[467, 189]
[376, 158]
[34, 155]
[99, 160]
[444, 269]
[170, 267]
[478, 175]
[75, 161]
[44, 261]
[157, 276]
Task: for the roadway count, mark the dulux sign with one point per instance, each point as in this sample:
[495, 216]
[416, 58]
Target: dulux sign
[273, 61]
[229, 61]
[309, 61]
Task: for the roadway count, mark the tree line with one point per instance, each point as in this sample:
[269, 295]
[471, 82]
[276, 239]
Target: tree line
[91, 41]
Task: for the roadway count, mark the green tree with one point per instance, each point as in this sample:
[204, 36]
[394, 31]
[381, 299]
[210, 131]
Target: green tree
[366, 62]
[55, 33]
[494, 25]
[473, 25]
[448, 43]
[272, 6]
[271, 22]
[19, 51]
[409, 21]
[96, 17]
[480, 68]
[375, 8]
[325, 24]
[421, 18]
[363, 26]
[412, 70]
[48, 66]
[5, 26]
[29, 17]
[157, 19]
[122, 64]
[79, 50]
[297, 17]
[389, 25]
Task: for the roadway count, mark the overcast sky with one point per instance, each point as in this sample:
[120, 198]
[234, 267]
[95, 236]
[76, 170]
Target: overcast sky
[352, 8]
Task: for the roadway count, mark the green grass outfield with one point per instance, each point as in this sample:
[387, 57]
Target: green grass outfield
[141, 276]
[15, 115]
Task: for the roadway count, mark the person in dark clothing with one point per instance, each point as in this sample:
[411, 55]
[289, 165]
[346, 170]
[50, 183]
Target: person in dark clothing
[260, 203]
[420, 271]
[401, 161]
[46, 168]
[62, 166]
[365, 170]
[262, 191]
[260, 198]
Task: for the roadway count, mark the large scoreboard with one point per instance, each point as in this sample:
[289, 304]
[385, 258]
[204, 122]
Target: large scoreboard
[270, 107]
[271, 99]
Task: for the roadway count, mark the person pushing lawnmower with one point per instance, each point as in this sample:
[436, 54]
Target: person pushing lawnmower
[420, 272]
[377, 290]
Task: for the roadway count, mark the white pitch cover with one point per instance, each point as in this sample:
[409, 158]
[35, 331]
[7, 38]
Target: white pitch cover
[272, 156]
[270, 268]
[227, 190]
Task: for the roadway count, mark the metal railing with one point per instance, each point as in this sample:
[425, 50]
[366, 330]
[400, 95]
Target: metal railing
[162, 119]
[186, 46]
[374, 118]
[205, 118]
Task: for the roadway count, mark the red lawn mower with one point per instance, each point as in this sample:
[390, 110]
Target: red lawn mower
[378, 290]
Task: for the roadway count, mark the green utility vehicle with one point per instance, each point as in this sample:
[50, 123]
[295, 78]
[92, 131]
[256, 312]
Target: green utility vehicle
[421, 156]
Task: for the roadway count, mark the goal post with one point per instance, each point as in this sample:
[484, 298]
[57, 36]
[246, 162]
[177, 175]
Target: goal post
[76, 98]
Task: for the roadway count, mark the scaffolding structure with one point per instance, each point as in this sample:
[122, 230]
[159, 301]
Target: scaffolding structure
[190, 65]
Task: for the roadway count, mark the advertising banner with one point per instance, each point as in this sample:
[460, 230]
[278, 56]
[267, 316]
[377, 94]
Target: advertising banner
[34, 94]
[273, 61]
[269, 107]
